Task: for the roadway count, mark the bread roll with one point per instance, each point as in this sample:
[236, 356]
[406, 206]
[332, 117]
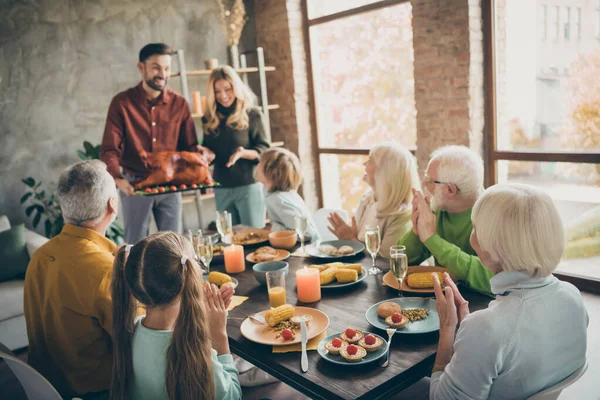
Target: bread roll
[388, 308]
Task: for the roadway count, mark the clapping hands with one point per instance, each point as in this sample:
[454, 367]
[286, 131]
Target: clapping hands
[341, 229]
[452, 308]
[423, 218]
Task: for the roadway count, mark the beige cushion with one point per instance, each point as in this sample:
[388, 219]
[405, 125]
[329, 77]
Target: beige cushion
[4, 223]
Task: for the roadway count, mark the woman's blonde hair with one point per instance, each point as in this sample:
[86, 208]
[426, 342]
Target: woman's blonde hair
[395, 176]
[519, 226]
[245, 100]
[154, 276]
[282, 168]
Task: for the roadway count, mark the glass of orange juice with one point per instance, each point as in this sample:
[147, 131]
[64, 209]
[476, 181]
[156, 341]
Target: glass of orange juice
[276, 287]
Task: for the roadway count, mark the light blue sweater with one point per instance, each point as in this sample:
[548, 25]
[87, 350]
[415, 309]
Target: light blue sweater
[530, 338]
[149, 367]
[283, 207]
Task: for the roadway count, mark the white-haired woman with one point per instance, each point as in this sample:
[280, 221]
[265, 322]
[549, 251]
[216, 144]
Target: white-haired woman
[391, 174]
[234, 137]
[534, 334]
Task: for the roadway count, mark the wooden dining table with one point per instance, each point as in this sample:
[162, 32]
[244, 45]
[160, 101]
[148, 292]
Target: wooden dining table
[411, 356]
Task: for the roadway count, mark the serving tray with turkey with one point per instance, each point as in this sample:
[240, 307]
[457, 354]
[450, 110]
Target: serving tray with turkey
[173, 171]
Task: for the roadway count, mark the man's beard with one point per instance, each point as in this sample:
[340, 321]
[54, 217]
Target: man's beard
[152, 83]
[436, 201]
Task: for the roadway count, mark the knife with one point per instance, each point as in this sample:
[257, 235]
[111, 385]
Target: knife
[304, 339]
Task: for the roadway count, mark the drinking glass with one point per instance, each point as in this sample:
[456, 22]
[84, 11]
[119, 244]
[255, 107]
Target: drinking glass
[276, 288]
[398, 264]
[373, 243]
[204, 251]
[224, 224]
[301, 227]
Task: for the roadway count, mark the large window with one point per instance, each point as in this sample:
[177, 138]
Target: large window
[362, 76]
[546, 109]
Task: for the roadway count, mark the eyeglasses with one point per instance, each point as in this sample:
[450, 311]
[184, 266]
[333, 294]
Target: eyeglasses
[427, 181]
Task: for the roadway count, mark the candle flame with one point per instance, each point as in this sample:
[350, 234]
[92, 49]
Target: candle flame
[305, 268]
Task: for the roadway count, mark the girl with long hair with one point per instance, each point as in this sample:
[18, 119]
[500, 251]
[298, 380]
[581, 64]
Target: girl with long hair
[391, 173]
[179, 350]
[234, 138]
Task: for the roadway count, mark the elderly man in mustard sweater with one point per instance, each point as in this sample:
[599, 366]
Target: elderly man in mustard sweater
[441, 221]
[68, 306]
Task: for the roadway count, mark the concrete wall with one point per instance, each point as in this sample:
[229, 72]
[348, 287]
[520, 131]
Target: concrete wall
[62, 62]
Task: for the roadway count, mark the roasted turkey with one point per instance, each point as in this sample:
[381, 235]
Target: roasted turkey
[174, 167]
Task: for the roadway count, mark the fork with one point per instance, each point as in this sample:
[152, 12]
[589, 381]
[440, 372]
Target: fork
[390, 332]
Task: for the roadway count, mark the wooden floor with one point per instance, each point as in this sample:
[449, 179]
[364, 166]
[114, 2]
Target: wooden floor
[587, 388]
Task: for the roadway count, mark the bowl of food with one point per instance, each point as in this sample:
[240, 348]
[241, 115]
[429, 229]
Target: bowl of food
[283, 239]
[260, 270]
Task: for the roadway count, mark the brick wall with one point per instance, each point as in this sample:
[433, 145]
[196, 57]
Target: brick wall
[448, 66]
[280, 32]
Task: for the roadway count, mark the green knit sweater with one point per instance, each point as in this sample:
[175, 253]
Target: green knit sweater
[451, 249]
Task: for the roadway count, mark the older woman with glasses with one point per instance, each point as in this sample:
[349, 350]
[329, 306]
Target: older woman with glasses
[534, 334]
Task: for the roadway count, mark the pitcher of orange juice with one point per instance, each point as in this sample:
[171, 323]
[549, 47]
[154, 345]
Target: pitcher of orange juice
[276, 288]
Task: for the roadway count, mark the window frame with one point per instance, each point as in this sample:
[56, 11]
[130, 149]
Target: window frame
[493, 155]
[307, 24]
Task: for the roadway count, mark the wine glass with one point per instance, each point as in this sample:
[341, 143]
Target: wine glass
[373, 242]
[398, 264]
[224, 226]
[204, 251]
[301, 227]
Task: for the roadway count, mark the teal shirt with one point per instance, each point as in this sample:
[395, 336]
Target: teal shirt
[149, 367]
[451, 249]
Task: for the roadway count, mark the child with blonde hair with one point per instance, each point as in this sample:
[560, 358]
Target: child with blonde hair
[179, 350]
[279, 172]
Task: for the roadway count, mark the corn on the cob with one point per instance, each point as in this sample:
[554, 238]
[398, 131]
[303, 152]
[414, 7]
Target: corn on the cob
[344, 275]
[281, 313]
[423, 280]
[327, 276]
[321, 268]
[334, 265]
[354, 267]
[218, 278]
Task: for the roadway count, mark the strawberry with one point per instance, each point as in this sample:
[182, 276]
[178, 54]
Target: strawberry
[370, 339]
[287, 334]
[154, 190]
[396, 318]
[194, 186]
[183, 186]
[148, 190]
[352, 349]
[162, 189]
[337, 342]
[350, 333]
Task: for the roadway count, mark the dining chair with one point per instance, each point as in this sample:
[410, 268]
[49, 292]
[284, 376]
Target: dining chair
[321, 222]
[35, 385]
[553, 392]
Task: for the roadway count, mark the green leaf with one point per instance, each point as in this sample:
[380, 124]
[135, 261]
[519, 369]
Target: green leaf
[36, 219]
[81, 155]
[30, 209]
[25, 197]
[29, 182]
[89, 148]
[47, 227]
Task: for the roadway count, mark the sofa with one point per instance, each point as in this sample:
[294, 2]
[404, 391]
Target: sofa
[13, 332]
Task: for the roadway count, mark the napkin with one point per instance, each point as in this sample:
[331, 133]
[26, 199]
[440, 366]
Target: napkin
[236, 301]
[312, 344]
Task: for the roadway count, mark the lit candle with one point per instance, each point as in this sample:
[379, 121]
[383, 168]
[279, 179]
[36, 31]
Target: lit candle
[203, 103]
[196, 99]
[308, 284]
[234, 259]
